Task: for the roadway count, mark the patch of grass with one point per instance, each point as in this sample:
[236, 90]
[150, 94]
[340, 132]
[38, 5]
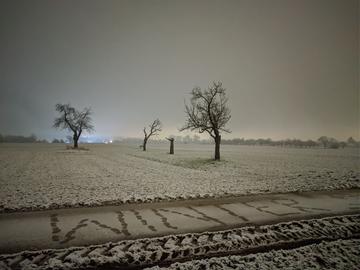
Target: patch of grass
[189, 163]
[199, 163]
[80, 148]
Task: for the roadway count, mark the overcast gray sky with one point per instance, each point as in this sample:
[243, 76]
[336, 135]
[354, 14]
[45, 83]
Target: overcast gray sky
[291, 68]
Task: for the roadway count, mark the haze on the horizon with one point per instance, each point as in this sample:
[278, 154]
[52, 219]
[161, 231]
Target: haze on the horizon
[291, 68]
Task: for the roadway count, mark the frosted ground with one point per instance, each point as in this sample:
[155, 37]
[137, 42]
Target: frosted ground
[341, 254]
[331, 244]
[40, 176]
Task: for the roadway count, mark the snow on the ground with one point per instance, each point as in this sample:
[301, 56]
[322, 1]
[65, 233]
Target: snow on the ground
[167, 249]
[39, 176]
[341, 254]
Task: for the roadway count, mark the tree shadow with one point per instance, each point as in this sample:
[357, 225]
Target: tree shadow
[199, 163]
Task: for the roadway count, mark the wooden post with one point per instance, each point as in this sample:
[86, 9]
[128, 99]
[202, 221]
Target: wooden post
[171, 145]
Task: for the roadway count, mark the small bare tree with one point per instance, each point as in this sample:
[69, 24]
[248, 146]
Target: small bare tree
[155, 127]
[75, 121]
[209, 113]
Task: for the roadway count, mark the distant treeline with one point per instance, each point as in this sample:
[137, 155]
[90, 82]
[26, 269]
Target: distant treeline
[179, 139]
[20, 139]
[323, 141]
[25, 139]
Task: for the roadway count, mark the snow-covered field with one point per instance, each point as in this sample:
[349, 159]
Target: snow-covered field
[39, 176]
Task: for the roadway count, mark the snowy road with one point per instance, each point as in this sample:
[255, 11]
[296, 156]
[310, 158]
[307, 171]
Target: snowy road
[86, 226]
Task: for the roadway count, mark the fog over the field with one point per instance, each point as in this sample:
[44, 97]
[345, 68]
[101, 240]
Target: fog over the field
[291, 67]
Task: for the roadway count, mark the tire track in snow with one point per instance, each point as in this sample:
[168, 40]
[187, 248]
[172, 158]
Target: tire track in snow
[168, 249]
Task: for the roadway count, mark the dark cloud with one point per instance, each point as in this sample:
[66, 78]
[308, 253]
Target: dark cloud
[291, 67]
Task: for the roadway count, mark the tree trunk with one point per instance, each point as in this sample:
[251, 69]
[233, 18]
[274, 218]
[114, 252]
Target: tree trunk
[75, 139]
[76, 142]
[217, 147]
[144, 144]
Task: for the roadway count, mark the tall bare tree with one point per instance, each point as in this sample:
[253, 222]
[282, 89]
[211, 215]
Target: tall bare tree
[73, 120]
[155, 127]
[209, 113]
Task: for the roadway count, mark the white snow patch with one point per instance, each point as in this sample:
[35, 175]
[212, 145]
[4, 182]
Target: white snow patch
[36, 176]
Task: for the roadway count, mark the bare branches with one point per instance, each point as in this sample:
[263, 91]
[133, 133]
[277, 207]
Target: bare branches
[155, 128]
[207, 111]
[73, 120]
[84, 120]
[66, 120]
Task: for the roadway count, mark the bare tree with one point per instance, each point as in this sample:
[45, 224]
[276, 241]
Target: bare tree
[209, 113]
[155, 127]
[75, 121]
